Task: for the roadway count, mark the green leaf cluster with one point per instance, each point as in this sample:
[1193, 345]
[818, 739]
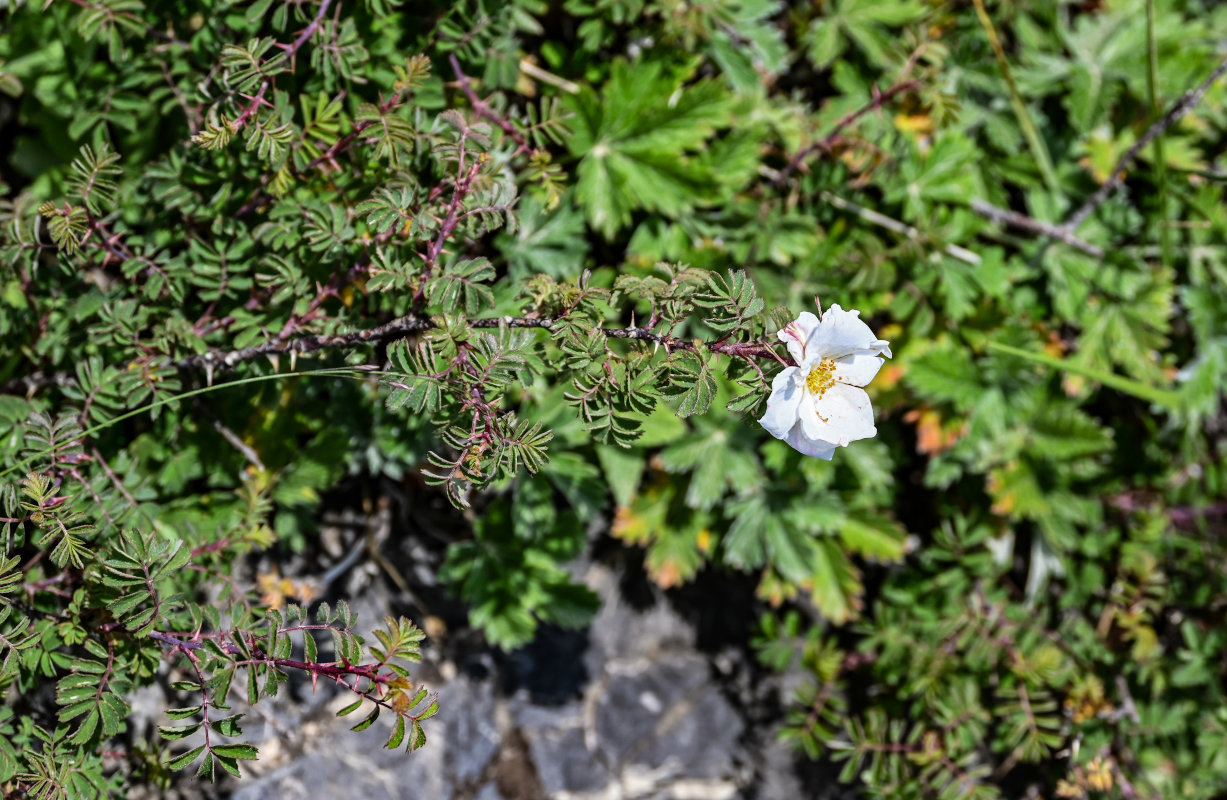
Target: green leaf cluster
[529, 263]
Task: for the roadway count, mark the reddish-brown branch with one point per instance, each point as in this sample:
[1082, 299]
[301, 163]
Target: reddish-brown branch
[484, 110]
[338, 671]
[251, 109]
[879, 99]
[464, 184]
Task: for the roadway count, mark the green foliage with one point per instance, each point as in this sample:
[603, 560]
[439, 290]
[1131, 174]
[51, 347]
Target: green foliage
[638, 142]
[541, 253]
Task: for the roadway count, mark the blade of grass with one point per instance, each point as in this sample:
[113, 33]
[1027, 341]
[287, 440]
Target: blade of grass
[355, 373]
[1153, 394]
[1152, 98]
[1034, 143]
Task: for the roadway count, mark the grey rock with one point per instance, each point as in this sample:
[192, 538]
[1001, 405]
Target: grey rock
[564, 762]
[488, 792]
[667, 714]
[340, 763]
[620, 631]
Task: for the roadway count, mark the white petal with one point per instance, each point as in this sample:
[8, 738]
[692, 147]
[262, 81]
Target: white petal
[786, 392]
[809, 447]
[846, 415]
[841, 333]
[857, 370]
[883, 347]
[797, 333]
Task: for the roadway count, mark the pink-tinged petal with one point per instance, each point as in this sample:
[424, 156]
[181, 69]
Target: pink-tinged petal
[842, 415]
[840, 333]
[797, 333]
[857, 370]
[786, 392]
[809, 447]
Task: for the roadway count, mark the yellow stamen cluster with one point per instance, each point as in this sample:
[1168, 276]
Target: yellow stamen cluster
[821, 377]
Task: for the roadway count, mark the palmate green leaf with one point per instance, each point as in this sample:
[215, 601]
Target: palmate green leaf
[747, 46]
[947, 374]
[865, 24]
[636, 140]
[622, 471]
[563, 603]
[744, 544]
[550, 242]
[718, 459]
[1126, 335]
[873, 536]
[945, 173]
[837, 587]
[1061, 432]
[675, 542]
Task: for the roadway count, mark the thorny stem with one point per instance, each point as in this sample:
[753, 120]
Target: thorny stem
[407, 326]
[337, 671]
[413, 324]
[251, 109]
[464, 183]
[485, 111]
[308, 32]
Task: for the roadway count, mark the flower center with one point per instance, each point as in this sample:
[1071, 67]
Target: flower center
[821, 377]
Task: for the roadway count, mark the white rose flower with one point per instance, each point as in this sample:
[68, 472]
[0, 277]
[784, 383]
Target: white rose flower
[819, 404]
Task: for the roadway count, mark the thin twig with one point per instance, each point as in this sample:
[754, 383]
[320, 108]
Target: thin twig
[1013, 219]
[869, 215]
[247, 451]
[1177, 110]
[1160, 160]
[533, 71]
